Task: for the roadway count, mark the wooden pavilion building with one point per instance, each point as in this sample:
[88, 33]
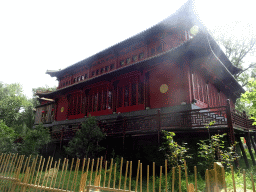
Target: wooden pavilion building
[172, 76]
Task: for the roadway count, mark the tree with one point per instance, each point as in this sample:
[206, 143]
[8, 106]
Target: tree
[34, 140]
[7, 137]
[86, 141]
[12, 103]
[249, 97]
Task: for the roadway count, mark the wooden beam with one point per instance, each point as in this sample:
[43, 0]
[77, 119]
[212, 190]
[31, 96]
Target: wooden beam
[248, 143]
[243, 151]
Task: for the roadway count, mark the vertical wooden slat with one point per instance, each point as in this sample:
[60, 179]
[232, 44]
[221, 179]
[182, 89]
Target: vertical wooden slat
[90, 182]
[38, 170]
[244, 180]
[110, 173]
[48, 172]
[147, 178]
[114, 182]
[130, 176]
[62, 170]
[120, 177]
[186, 174]
[58, 166]
[87, 169]
[105, 174]
[195, 172]
[233, 178]
[126, 172]
[173, 178]
[47, 164]
[70, 171]
[137, 177]
[253, 187]
[140, 177]
[153, 176]
[97, 167]
[207, 180]
[41, 172]
[3, 160]
[160, 179]
[65, 172]
[75, 175]
[101, 159]
[179, 178]
[166, 175]
[54, 169]
[215, 175]
[33, 168]
[224, 180]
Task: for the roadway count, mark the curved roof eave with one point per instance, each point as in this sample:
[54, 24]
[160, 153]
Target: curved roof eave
[184, 17]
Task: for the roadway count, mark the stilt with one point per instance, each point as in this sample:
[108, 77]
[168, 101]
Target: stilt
[248, 143]
[243, 152]
[253, 144]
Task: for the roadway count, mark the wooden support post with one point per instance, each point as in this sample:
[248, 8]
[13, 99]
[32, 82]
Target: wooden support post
[243, 152]
[158, 126]
[231, 132]
[253, 144]
[248, 143]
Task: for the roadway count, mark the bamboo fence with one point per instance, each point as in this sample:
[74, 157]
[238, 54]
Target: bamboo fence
[20, 173]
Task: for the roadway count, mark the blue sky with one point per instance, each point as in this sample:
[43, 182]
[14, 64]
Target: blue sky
[40, 35]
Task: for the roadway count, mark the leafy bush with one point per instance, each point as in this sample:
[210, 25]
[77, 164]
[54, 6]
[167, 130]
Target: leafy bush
[86, 141]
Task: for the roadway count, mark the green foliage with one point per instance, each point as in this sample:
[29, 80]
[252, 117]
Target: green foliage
[86, 141]
[34, 140]
[7, 137]
[214, 150]
[175, 153]
[249, 97]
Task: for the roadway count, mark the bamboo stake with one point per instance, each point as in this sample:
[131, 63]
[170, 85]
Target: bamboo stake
[48, 173]
[186, 173]
[253, 187]
[147, 177]
[120, 177]
[6, 170]
[75, 175]
[41, 171]
[126, 171]
[114, 182]
[215, 175]
[91, 172]
[154, 176]
[87, 169]
[244, 180]
[179, 178]
[97, 167]
[160, 179]
[138, 171]
[140, 177]
[3, 161]
[173, 178]
[233, 178]
[207, 180]
[33, 167]
[110, 173]
[105, 174]
[58, 166]
[55, 164]
[63, 168]
[130, 177]
[195, 172]
[46, 170]
[65, 172]
[70, 172]
[101, 159]
[38, 170]
[81, 180]
[12, 167]
[224, 180]
[166, 175]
